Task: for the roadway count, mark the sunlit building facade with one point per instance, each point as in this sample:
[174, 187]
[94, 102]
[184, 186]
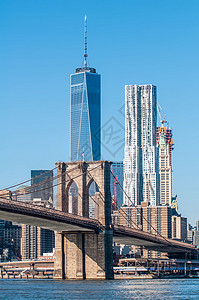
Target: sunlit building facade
[85, 115]
[141, 175]
[165, 144]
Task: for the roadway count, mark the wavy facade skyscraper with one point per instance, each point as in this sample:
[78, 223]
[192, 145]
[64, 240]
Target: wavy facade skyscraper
[141, 175]
[85, 112]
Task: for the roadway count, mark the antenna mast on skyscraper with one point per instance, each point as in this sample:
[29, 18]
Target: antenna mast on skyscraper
[85, 46]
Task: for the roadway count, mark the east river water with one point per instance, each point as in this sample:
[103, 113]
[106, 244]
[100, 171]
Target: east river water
[165, 289]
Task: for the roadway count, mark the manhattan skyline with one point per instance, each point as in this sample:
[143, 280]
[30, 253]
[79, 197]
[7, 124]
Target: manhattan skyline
[41, 49]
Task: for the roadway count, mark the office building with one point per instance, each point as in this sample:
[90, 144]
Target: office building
[196, 238]
[130, 216]
[141, 172]
[41, 184]
[193, 234]
[10, 238]
[85, 113]
[179, 227]
[35, 240]
[165, 144]
[148, 218]
[23, 193]
[158, 218]
[145, 217]
[197, 225]
[116, 191]
[190, 233]
[196, 234]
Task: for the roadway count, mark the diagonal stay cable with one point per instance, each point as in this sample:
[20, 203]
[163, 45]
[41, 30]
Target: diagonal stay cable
[103, 199]
[60, 182]
[124, 213]
[127, 219]
[10, 187]
[30, 188]
[137, 210]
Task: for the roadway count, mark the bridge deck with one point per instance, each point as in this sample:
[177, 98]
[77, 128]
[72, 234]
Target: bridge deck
[65, 222]
[131, 236]
[47, 218]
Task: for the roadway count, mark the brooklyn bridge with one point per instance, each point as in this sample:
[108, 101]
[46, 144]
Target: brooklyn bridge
[83, 243]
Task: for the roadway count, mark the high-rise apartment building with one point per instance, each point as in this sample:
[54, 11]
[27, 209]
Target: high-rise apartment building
[141, 175]
[85, 112]
[193, 234]
[165, 144]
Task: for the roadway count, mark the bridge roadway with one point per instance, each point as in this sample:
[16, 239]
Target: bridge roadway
[47, 218]
[59, 221]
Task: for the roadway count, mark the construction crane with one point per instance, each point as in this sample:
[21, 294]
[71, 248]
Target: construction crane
[162, 120]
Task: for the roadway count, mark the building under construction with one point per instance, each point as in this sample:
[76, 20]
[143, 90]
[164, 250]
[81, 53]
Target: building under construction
[165, 144]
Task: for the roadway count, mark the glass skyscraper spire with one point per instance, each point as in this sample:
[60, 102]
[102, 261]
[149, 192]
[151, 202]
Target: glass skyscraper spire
[85, 113]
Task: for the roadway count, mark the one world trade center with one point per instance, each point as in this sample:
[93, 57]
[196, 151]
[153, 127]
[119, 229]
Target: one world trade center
[85, 112]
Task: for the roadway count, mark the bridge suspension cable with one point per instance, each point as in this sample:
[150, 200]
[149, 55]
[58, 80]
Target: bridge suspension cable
[137, 210]
[30, 189]
[103, 199]
[23, 182]
[31, 192]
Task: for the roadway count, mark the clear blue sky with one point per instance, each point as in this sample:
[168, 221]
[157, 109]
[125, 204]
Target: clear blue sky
[129, 42]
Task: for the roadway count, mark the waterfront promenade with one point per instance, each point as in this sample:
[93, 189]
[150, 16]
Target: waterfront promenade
[127, 268]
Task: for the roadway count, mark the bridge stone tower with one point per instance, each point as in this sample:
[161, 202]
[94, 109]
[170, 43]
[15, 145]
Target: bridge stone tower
[84, 254]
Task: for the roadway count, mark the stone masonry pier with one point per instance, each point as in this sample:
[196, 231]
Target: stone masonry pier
[81, 254]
